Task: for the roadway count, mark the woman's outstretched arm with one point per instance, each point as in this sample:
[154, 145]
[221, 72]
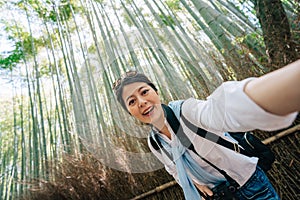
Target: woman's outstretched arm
[277, 92]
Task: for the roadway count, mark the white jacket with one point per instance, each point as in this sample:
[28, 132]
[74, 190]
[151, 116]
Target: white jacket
[228, 109]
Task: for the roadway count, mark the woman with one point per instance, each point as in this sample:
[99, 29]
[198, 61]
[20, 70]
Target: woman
[268, 103]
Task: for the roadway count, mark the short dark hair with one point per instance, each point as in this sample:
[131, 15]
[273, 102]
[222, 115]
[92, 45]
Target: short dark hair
[138, 77]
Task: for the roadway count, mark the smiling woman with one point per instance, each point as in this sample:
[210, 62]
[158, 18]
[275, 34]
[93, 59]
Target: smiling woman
[235, 106]
[127, 79]
[140, 99]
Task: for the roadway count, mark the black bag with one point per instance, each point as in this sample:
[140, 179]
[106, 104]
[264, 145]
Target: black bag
[255, 148]
[224, 191]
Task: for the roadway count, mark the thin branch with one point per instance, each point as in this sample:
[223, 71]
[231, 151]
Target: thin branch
[281, 134]
[157, 189]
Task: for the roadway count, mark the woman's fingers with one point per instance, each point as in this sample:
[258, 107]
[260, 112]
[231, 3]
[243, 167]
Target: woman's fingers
[204, 189]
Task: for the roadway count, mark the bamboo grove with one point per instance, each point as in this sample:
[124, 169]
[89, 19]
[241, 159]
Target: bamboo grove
[62, 57]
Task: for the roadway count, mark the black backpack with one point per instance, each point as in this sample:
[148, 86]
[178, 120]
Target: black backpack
[252, 146]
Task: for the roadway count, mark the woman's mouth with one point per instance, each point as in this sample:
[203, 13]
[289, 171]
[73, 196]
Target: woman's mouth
[149, 111]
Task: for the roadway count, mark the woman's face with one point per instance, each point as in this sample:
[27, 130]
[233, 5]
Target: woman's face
[143, 102]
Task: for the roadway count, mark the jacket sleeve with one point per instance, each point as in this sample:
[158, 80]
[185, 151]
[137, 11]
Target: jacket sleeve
[228, 108]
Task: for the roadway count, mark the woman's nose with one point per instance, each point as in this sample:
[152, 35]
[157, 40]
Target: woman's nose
[142, 101]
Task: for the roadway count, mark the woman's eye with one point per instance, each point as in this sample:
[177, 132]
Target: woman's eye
[131, 102]
[145, 91]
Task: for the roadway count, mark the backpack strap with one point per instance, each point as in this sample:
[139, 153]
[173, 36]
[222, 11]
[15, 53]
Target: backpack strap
[199, 131]
[185, 141]
[156, 144]
[212, 137]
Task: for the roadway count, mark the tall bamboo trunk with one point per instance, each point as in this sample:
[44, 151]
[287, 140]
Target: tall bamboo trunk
[280, 46]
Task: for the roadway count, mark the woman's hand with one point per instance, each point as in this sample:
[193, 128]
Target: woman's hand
[204, 189]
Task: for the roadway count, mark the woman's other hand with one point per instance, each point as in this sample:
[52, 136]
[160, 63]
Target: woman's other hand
[204, 189]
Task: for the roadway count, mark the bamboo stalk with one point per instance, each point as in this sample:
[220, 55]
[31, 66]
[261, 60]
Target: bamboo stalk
[157, 189]
[172, 183]
[281, 134]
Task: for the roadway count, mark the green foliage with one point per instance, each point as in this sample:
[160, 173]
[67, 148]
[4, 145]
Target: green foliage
[45, 70]
[257, 37]
[49, 11]
[30, 43]
[14, 57]
[254, 36]
[173, 4]
[127, 19]
[25, 46]
[92, 49]
[167, 20]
